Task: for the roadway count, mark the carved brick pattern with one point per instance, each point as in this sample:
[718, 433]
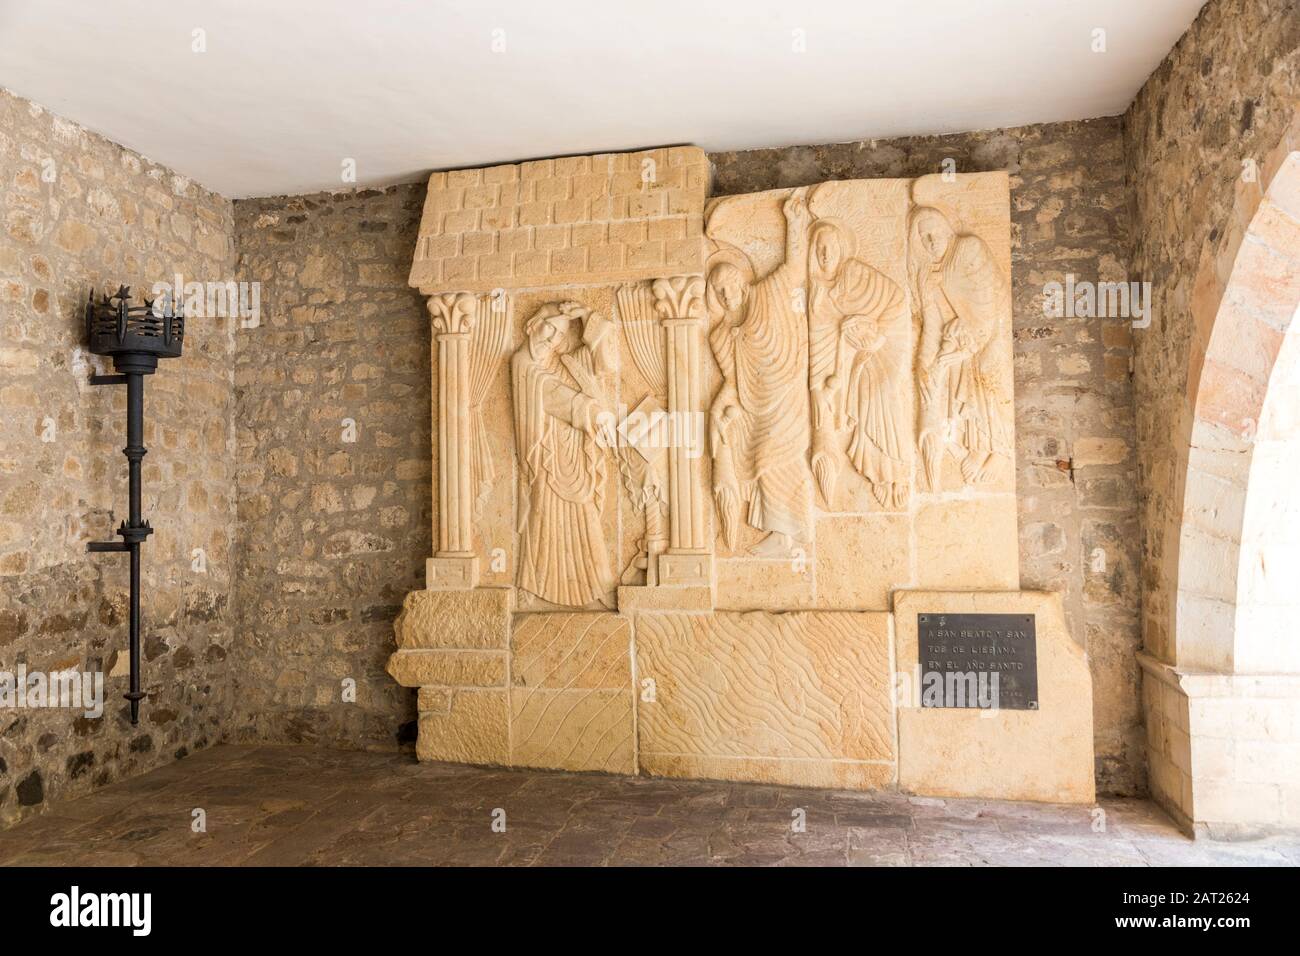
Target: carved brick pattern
[549, 222]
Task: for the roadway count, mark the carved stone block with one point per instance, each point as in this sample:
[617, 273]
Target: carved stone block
[1041, 754]
[686, 570]
[479, 618]
[861, 337]
[448, 668]
[571, 692]
[451, 574]
[463, 725]
[571, 651]
[572, 730]
[784, 698]
[556, 222]
[632, 600]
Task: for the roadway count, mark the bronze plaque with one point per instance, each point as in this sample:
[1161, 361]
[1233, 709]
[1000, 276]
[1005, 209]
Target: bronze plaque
[988, 661]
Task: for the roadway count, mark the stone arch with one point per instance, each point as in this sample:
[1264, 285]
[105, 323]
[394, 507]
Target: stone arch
[1241, 431]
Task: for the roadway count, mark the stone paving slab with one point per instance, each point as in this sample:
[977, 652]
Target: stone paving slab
[303, 806]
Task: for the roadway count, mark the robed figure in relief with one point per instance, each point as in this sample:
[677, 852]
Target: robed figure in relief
[859, 328]
[759, 420]
[962, 299]
[562, 408]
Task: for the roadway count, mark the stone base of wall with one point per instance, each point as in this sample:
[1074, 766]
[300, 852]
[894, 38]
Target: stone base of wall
[1223, 749]
[816, 698]
[1043, 755]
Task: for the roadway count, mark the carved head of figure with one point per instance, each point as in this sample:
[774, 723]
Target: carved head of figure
[727, 287]
[547, 331]
[933, 234]
[830, 243]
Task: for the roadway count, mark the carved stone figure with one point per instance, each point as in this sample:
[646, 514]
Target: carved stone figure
[960, 294]
[858, 329]
[561, 405]
[760, 416]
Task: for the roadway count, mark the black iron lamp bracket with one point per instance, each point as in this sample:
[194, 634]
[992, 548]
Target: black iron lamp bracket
[136, 337]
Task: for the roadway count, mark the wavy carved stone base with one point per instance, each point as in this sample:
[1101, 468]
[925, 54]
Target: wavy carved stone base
[805, 698]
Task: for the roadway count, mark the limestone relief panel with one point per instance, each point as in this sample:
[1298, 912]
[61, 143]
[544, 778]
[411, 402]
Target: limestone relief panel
[817, 414]
[689, 454]
[860, 349]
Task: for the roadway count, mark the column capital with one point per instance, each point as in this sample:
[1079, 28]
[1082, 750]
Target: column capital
[680, 297]
[452, 312]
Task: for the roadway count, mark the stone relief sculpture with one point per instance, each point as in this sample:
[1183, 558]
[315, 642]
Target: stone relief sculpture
[960, 296]
[814, 360]
[759, 419]
[561, 407]
[861, 332]
[858, 329]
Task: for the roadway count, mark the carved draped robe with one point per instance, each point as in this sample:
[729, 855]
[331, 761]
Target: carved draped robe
[764, 356]
[972, 292]
[562, 554]
[860, 328]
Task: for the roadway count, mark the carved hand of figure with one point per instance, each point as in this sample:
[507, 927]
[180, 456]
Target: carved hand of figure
[959, 335]
[575, 310]
[863, 333]
[796, 211]
[958, 344]
[722, 424]
[601, 430]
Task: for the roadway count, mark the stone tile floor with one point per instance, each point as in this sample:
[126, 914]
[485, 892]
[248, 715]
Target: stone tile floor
[299, 805]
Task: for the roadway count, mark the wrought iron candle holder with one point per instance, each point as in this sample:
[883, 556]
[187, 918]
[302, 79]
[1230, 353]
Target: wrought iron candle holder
[136, 337]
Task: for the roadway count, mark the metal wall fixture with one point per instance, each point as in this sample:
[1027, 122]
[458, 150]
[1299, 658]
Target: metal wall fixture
[136, 337]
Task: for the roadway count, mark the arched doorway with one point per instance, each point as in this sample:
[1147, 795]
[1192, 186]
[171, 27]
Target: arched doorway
[1222, 698]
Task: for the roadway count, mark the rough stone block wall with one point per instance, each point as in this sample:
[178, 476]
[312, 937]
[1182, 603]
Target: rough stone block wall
[79, 212]
[333, 428]
[555, 221]
[1076, 474]
[1220, 101]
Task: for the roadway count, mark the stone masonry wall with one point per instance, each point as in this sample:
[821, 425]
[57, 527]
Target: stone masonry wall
[1223, 96]
[334, 534]
[80, 212]
[334, 429]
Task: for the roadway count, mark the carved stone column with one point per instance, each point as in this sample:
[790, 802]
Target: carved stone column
[455, 563]
[679, 306]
